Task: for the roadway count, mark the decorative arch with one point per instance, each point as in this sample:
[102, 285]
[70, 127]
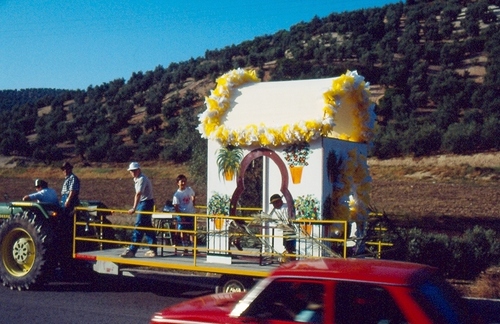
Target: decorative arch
[240, 185]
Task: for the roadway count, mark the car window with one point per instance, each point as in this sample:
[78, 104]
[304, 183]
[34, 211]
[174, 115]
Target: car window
[365, 303]
[290, 301]
[442, 302]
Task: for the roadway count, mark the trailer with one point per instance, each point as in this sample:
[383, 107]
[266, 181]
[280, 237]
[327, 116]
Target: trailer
[235, 269]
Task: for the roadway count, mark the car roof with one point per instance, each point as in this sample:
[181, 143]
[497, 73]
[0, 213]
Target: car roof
[367, 270]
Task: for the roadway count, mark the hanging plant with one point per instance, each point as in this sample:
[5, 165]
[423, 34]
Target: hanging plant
[228, 160]
[296, 156]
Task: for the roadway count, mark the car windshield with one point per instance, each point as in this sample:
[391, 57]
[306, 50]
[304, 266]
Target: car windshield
[442, 302]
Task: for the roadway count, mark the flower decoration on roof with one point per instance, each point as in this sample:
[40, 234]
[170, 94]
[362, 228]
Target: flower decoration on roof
[349, 87]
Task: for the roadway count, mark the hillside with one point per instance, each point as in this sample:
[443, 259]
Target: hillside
[432, 66]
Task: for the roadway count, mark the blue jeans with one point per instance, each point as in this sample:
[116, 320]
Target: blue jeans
[143, 220]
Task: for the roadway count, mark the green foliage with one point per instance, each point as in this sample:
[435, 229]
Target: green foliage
[48, 154]
[120, 153]
[459, 256]
[461, 138]
[153, 102]
[252, 195]
[229, 159]
[184, 140]
[431, 249]
[491, 132]
[306, 207]
[198, 162]
[416, 63]
[153, 124]
[387, 143]
[13, 142]
[424, 139]
[297, 154]
[148, 148]
[40, 97]
[218, 204]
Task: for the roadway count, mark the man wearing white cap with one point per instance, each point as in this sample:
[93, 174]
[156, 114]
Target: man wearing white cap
[43, 193]
[143, 201]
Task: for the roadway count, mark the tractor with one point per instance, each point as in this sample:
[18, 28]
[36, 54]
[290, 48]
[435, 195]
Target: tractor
[36, 241]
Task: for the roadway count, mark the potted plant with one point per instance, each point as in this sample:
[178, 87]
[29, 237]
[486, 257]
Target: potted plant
[306, 207]
[228, 160]
[296, 156]
[219, 205]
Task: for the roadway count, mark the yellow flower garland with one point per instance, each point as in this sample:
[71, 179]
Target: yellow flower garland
[349, 87]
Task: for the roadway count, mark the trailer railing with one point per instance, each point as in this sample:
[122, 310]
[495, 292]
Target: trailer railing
[214, 234]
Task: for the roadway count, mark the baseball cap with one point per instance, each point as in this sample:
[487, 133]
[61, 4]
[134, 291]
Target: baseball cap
[133, 166]
[40, 183]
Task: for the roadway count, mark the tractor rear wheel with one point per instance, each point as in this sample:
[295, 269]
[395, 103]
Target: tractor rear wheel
[24, 251]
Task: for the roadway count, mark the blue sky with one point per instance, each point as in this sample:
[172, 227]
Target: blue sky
[74, 44]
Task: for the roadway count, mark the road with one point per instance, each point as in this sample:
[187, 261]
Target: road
[111, 300]
[488, 308]
[108, 300]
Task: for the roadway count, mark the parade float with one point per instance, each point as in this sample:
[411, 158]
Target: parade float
[313, 136]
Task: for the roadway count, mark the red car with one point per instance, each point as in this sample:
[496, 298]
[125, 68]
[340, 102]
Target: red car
[333, 291]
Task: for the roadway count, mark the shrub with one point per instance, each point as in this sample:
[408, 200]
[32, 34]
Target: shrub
[458, 257]
[474, 252]
[490, 134]
[386, 145]
[425, 140]
[422, 247]
[463, 265]
[461, 138]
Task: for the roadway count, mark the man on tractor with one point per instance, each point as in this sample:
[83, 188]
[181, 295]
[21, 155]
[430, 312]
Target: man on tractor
[43, 193]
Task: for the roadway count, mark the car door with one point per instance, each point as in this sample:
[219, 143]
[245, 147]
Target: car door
[356, 302]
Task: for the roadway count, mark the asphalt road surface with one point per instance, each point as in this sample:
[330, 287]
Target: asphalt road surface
[109, 299]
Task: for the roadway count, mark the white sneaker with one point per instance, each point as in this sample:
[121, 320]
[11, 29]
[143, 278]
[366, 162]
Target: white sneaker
[150, 254]
[127, 254]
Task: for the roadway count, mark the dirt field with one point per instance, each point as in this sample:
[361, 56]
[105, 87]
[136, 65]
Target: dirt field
[448, 192]
[444, 192]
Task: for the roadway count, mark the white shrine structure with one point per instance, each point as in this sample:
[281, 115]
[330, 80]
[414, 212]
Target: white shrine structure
[313, 137]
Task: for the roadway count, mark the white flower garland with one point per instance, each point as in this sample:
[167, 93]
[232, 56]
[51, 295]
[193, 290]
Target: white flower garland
[350, 87]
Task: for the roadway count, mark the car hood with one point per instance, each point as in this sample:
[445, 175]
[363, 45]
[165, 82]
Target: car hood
[213, 308]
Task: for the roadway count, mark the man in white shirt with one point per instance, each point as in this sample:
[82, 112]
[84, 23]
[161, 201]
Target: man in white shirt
[280, 210]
